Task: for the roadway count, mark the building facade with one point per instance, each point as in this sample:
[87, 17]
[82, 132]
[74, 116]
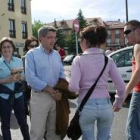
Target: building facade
[15, 21]
[115, 34]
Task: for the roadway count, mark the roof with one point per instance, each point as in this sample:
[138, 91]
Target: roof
[114, 24]
[67, 24]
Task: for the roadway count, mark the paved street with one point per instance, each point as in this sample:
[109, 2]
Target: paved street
[118, 129]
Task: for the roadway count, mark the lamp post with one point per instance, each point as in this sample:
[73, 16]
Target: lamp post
[126, 6]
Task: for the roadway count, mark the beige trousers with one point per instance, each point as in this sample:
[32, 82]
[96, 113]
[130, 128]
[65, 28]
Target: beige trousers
[43, 116]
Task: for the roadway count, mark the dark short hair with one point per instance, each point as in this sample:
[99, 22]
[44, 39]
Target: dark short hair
[28, 41]
[133, 23]
[7, 39]
[94, 35]
[43, 31]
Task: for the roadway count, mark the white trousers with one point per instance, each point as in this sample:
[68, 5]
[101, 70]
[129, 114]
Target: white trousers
[43, 116]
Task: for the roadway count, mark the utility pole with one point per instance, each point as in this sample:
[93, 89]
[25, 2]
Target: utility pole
[126, 6]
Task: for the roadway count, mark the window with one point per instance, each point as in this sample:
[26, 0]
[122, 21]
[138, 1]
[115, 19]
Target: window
[108, 41]
[10, 5]
[24, 30]
[117, 40]
[12, 31]
[23, 7]
[117, 33]
[123, 58]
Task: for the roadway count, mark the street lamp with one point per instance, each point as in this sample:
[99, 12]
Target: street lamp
[126, 6]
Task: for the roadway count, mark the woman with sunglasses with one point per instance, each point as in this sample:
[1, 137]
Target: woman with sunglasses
[86, 68]
[11, 96]
[30, 43]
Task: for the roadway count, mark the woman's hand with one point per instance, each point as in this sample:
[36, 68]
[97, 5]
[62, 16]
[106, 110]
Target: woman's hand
[18, 77]
[9, 79]
[116, 109]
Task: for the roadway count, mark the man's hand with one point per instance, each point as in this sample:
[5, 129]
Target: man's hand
[56, 95]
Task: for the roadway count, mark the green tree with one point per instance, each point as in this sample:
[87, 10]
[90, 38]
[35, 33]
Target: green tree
[71, 44]
[60, 36]
[36, 26]
[82, 21]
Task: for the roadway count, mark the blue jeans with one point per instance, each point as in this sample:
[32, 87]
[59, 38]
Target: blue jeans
[133, 121]
[5, 113]
[101, 112]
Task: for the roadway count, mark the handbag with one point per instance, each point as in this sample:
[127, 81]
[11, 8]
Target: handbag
[74, 131]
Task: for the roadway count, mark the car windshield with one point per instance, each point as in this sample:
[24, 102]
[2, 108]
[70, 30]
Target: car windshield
[69, 57]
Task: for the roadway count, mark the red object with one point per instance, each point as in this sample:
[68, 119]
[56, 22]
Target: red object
[76, 25]
[62, 53]
[137, 87]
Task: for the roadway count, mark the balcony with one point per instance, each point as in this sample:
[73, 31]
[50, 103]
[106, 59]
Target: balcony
[23, 10]
[12, 33]
[11, 7]
[114, 44]
[24, 35]
[117, 35]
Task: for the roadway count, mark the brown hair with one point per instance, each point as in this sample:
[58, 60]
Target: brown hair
[94, 35]
[7, 39]
[133, 23]
[28, 41]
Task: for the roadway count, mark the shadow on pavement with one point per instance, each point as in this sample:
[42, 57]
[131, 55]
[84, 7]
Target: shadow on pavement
[1, 137]
[13, 123]
[127, 101]
[72, 105]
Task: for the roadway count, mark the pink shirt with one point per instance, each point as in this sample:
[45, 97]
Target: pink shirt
[86, 69]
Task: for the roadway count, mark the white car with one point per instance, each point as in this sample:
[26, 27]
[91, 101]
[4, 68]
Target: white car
[122, 58]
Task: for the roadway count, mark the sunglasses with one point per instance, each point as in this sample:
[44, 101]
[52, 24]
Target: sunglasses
[33, 46]
[128, 31]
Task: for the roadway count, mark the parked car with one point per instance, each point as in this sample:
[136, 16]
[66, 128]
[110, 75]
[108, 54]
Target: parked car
[122, 58]
[68, 59]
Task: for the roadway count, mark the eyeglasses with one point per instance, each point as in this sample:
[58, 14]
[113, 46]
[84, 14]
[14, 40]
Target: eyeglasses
[128, 31]
[8, 47]
[33, 46]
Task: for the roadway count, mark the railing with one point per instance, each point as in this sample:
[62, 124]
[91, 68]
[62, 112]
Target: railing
[12, 33]
[23, 10]
[10, 6]
[24, 35]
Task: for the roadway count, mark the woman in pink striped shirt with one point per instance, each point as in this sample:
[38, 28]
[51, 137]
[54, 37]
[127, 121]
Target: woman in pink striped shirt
[85, 70]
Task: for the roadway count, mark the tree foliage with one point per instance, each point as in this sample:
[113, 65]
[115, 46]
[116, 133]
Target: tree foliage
[71, 43]
[82, 21]
[36, 26]
[60, 36]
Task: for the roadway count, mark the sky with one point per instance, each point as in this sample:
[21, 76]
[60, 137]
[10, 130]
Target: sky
[109, 10]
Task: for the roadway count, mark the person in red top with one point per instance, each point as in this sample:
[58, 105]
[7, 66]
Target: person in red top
[61, 52]
[132, 34]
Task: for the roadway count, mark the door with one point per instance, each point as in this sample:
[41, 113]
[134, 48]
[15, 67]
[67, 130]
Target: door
[123, 63]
